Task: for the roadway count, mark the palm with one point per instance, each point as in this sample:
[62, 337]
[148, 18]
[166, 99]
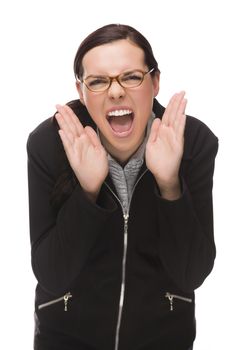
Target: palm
[164, 148]
[84, 150]
[83, 154]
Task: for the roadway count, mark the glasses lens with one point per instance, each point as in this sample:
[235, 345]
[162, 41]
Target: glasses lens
[97, 83]
[131, 79]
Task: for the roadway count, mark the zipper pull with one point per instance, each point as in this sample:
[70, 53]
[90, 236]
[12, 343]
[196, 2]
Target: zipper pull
[170, 297]
[66, 298]
[126, 218]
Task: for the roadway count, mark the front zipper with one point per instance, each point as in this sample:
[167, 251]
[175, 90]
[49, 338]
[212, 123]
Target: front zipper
[121, 300]
[122, 289]
[171, 298]
[65, 299]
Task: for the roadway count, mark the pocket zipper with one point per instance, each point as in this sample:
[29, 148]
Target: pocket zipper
[174, 296]
[65, 298]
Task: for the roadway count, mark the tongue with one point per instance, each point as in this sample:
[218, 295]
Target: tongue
[122, 123]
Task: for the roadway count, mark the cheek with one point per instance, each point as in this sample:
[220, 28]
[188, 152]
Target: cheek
[86, 98]
[92, 103]
[145, 101]
[94, 107]
[146, 93]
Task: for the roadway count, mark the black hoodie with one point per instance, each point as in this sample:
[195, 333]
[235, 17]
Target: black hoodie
[97, 291]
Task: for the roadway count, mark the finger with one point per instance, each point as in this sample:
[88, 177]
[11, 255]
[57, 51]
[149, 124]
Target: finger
[165, 117]
[178, 101]
[154, 130]
[181, 127]
[84, 143]
[70, 119]
[164, 132]
[66, 120]
[74, 119]
[93, 136]
[182, 106]
[62, 122]
[180, 112]
[67, 144]
[172, 108]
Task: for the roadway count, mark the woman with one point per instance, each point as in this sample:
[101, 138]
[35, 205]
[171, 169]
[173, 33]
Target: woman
[121, 216]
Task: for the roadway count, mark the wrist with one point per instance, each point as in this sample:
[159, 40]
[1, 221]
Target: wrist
[91, 196]
[91, 193]
[170, 190]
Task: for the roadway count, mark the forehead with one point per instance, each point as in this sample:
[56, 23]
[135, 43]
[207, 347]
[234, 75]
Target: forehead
[113, 58]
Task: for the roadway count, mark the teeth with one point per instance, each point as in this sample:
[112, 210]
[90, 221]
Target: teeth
[119, 112]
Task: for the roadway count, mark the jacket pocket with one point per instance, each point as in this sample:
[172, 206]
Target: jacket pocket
[172, 297]
[65, 298]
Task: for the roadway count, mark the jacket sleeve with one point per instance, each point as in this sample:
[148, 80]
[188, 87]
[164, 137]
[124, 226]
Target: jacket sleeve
[60, 241]
[187, 247]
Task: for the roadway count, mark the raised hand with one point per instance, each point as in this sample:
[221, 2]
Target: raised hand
[164, 148]
[84, 151]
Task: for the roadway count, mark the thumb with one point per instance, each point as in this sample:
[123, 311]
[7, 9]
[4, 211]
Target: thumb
[93, 136]
[154, 130]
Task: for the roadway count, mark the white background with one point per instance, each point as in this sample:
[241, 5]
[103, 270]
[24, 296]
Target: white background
[198, 47]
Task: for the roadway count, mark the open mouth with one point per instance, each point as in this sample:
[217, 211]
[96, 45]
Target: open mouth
[121, 121]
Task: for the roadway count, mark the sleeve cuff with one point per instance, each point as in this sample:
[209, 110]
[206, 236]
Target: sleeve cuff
[184, 193]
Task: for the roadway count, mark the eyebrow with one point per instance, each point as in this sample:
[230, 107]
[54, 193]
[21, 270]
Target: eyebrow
[96, 76]
[106, 75]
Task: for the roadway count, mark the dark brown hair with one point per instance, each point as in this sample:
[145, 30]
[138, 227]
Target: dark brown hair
[108, 34]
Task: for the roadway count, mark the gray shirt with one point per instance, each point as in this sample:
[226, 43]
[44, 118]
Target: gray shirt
[124, 177]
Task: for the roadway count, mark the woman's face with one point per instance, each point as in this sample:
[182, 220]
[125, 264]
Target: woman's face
[121, 131]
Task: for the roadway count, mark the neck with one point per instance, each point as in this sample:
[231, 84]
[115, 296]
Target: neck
[121, 156]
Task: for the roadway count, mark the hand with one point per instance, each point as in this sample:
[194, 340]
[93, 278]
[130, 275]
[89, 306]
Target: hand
[164, 148]
[84, 151]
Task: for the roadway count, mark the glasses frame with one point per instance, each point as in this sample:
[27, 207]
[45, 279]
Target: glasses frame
[116, 78]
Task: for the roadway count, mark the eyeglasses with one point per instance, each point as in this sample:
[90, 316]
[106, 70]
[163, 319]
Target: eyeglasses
[100, 83]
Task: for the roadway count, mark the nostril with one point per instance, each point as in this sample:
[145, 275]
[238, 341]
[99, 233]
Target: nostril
[114, 97]
[116, 92]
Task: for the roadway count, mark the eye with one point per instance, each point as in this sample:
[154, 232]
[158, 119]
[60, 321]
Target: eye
[96, 81]
[131, 78]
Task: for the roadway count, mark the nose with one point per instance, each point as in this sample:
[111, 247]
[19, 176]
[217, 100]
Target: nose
[116, 91]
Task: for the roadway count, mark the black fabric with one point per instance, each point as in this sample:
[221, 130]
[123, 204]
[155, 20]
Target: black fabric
[79, 249]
